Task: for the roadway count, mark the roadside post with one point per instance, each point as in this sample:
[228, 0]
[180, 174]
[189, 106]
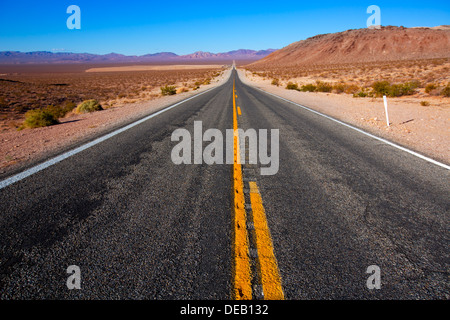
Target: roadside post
[386, 110]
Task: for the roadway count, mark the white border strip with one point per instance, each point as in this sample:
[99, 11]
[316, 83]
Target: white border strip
[48, 163]
[362, 131]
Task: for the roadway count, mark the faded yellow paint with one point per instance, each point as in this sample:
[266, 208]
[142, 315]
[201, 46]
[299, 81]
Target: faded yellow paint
[242, 289]
[270, 276]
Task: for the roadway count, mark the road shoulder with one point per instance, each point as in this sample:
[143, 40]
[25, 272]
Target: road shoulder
[422, 129]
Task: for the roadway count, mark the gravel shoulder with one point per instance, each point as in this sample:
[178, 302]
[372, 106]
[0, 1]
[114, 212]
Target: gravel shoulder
[19, 149]
[423, 129]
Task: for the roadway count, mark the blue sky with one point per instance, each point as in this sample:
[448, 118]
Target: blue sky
[141, 27]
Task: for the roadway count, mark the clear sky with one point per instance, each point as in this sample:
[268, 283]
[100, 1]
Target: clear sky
[140, 27]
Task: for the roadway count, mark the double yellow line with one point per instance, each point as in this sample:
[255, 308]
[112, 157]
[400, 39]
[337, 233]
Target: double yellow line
[267, 264]
[242, 287]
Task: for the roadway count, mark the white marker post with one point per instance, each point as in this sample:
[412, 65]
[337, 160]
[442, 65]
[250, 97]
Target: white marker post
[386, 110]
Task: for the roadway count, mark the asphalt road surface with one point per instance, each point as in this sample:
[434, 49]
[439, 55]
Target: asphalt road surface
[139, 226]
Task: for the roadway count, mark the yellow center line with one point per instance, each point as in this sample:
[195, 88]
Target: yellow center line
[239, 111]
[270, 276]
[268, 267]
[242, 289]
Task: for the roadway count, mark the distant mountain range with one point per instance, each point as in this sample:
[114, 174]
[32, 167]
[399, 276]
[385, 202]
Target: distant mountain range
[44, 57]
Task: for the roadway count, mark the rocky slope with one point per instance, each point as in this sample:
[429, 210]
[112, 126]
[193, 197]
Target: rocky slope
[364, 45]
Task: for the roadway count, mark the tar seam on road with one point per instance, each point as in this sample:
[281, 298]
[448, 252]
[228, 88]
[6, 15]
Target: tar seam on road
[55, 160]
[245, 256]
[418, 155]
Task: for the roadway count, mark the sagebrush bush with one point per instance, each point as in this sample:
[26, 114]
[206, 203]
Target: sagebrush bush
[342, 87]
[446, 91]
[292, 86]
[339, 87]
[88, 106]
[39, 118]
[168, 90]
[323, 86]
[430, 87]
[395, 90]
[409, 88]
[60, 111]
[405, 89]
[381, 88]
[275, 82]
[360, 94]
[352, 89]
[308, 88]
[197, 85]
[384, 88]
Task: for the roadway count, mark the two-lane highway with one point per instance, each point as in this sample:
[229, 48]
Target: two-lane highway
[141, 227]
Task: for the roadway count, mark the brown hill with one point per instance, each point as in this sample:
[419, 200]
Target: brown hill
[363, 45]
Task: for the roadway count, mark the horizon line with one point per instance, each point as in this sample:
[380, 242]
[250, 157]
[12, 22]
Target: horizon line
[132, 55]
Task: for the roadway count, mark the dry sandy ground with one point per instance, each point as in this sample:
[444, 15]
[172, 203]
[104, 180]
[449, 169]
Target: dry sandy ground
[19, 148]
[154, 67]
[422, 129]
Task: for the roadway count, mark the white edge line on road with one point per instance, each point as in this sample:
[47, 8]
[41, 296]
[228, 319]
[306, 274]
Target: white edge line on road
[363, 132]
[48, 163]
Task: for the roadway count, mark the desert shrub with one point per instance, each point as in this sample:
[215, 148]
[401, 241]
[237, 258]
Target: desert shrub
[424, 103]
[276, 82]
[323, 87]
[308, 88]
[60, 111]
[360, 94]
[394, 90]
[405, 89]
[88, 106]
[339, 87]
[169, 90]
[430, 87]
[410, 87]
[292, 86]
[39, 118]
[67, 107]
[446, 91]
[381, 88]
[384, 88]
